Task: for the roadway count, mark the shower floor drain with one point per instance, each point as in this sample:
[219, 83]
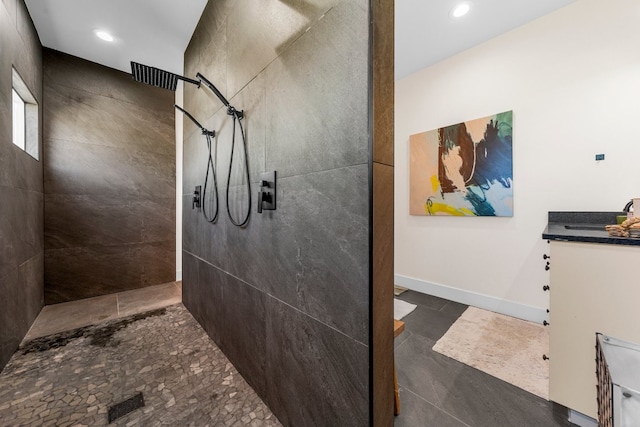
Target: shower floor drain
[126, 406]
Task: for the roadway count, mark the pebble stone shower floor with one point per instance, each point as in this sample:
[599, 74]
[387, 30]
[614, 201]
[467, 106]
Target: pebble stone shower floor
[72, 378]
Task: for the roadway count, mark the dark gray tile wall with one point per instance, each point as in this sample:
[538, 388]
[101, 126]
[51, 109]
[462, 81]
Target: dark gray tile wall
[21, 189]
[109, 181]
[286, 297]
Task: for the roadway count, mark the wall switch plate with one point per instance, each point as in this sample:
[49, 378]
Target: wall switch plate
[599, 157]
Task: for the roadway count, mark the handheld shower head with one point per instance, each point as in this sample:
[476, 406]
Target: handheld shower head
[214, 89]
[205, 131]
[156, 77]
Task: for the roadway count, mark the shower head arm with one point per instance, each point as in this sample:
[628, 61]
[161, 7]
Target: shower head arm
[214, 89]
[188, 80]
[205, 131]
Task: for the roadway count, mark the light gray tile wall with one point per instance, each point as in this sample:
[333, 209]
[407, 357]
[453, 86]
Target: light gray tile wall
[109, 181]
[21, 189]
[287, 296]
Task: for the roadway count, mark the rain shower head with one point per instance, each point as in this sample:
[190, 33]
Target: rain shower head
[205, 131]
[156, 77]
[214, 89]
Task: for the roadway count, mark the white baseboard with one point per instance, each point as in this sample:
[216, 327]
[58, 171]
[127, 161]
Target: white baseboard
[497, 305]
[581, 420]
[178, 275]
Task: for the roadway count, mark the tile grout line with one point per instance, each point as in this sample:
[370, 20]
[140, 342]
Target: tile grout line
[435, 406]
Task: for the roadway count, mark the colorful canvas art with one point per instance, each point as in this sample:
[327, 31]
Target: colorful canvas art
[463, 170]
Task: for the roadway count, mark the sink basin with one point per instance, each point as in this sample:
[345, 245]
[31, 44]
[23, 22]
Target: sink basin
[585, 227]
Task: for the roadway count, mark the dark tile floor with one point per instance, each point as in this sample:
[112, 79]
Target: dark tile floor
[438, 391]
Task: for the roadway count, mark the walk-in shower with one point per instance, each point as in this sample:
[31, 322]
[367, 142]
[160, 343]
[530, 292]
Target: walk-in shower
[167, 80]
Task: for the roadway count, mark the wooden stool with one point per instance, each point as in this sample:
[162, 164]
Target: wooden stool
[398, 327]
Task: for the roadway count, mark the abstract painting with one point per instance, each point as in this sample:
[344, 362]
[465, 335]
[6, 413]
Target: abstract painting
[463, 170]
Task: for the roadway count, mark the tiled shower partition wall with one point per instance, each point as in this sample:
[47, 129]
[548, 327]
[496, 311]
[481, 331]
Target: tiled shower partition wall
[298, 299]
[109, 181]
[21, 193]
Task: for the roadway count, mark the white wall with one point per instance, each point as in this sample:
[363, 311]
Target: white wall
[572, 79]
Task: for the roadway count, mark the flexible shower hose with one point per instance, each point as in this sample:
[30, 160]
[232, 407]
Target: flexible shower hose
[211, 166]
[238, 117]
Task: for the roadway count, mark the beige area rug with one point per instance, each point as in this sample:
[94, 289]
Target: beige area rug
[505, 347]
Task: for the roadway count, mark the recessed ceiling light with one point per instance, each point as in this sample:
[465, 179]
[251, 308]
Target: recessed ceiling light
[104, 36]
[460, 9]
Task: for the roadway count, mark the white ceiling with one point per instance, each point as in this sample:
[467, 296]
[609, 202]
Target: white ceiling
[425, 34]
[156, 32]
[151, 32]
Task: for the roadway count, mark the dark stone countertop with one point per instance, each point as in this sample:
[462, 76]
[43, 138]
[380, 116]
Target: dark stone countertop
[585, 227]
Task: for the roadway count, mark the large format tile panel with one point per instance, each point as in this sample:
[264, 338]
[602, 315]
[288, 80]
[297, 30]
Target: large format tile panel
[88, 220]
[7, 32]
[31, 289]
[312, 252]
[27, 51]
[315, 374]
[84, 117]
[243, 333]
[17, 168]
[202, 294]
[80, 75]
[78, 168]
[22, 289]
[12, 331]
[268, 28]
[232, 313]
[10, 6]
[21, 199]
[76, 273]
[21, 232]
[317, 96]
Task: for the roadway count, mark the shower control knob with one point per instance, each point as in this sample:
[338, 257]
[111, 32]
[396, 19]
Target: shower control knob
[545, 256]
[195, 201]
[545, 323]
[546, 288]
[263, 197]
[545, 357]
[547, 267]
[267, 193]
